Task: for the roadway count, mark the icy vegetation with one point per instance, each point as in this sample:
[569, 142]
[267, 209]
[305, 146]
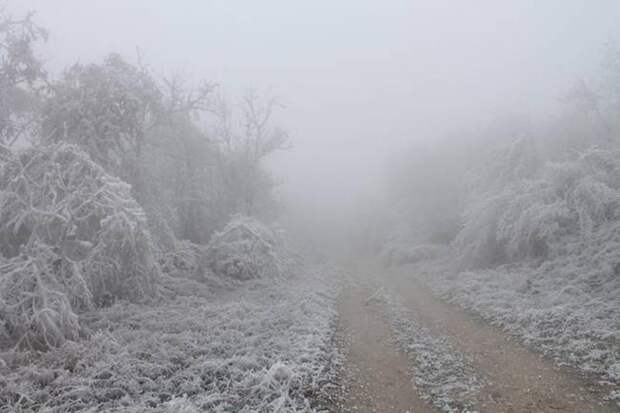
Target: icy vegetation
[142, 264]
[72, 238]
[136, 271]
[531, 228]
[563, 296]
[443, 376]
[574, 321]
[538, 256]
[243, 250]
[260, 346]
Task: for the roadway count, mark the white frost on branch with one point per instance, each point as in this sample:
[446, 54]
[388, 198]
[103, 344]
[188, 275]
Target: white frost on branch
[71, 238]
[243, 250]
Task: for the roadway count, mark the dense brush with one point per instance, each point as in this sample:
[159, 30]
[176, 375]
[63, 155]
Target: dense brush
[71, 238]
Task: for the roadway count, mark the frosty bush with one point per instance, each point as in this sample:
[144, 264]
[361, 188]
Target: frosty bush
[477, 243]
[243, 250]
[529, 218]
[183, 259]
[33, 305]
[260, 347]
[71, 238]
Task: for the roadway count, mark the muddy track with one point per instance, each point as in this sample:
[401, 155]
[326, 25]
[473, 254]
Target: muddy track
[377, 376]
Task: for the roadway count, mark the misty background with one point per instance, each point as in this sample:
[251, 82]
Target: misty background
[283, 206]
[360, 80]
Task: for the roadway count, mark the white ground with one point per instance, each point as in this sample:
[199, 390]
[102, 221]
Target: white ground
[258, 346]
[568, 309]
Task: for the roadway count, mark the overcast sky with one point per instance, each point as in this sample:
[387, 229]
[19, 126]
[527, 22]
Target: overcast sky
[359, 77]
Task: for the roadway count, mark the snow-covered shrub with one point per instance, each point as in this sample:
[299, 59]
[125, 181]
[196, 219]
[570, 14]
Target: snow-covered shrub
[71, 238]
[477, 243]
[183, 259]
[243, 250]
[34, 308]
[532, 219]
[261, 347]
[521, 222]
[528, 218]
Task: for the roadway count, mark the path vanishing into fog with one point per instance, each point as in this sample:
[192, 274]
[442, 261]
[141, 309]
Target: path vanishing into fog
[377, 376]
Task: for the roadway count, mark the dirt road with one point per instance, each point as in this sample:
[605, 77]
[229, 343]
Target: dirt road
[378, 377]
[376, 373]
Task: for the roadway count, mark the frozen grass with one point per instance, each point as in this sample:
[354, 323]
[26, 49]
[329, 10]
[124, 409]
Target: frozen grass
[257, 346]
[567, 307]
[443, 376]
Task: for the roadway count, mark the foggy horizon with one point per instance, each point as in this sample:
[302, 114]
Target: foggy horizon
[360, 80]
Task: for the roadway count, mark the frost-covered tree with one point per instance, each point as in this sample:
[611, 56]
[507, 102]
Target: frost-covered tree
[246, 137]
[186, 185]
[145, 132]
[531, 188]
[106, 109]
[21, 77]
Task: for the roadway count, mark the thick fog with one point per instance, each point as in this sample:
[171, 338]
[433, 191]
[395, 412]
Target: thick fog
[359, 79]
[309, 206]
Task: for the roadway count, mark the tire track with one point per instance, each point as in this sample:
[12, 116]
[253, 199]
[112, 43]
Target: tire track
[375, 374]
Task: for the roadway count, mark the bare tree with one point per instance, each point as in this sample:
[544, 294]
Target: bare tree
[244, 149]
[587, 100]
